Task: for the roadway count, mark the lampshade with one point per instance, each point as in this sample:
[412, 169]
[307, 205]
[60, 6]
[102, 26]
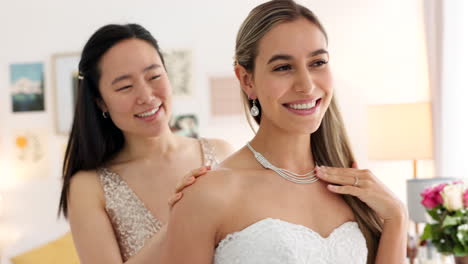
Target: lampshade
[400, 131]
[414, 187]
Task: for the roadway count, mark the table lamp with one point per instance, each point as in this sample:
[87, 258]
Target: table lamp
[400, 132]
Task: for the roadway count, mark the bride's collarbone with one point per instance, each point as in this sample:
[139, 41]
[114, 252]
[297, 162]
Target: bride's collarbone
[319, 211]
[269, 188]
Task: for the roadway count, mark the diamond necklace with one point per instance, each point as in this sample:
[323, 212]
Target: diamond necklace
[308, 177]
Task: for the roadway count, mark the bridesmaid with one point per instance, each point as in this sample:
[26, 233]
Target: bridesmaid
[122, 162]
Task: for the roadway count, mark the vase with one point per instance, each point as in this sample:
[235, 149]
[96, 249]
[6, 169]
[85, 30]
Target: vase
[461, 260]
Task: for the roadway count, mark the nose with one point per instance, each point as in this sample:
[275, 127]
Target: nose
[304, 81]
[144, 94]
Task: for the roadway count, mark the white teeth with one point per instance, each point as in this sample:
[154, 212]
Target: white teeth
[149, 113]
[302, 106]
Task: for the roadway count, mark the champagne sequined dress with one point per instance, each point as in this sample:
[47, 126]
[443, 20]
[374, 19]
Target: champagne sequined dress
[132, 222]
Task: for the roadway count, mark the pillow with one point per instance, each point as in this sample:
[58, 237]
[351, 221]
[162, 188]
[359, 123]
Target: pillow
[60, 251]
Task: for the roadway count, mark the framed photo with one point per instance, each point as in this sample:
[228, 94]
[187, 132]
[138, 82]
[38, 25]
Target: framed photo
[179, 66]
[185, 125]
[31, 153]
[65, 81]
[27, 87]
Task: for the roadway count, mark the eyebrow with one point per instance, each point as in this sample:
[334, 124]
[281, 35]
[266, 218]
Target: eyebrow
[289, 57]
[127, 76]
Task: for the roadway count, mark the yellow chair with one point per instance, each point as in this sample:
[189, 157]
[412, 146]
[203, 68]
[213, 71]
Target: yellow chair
[60, 251]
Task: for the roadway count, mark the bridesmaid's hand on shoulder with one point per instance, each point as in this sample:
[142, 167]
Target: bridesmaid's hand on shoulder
[185, 182]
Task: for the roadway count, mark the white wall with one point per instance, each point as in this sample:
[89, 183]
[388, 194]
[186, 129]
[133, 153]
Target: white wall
[377, 51]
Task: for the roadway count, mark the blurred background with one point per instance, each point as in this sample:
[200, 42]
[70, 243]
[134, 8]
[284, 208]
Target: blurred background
[399, 66]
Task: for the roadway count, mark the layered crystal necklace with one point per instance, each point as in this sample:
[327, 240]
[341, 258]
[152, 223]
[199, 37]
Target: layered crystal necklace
[308, 177]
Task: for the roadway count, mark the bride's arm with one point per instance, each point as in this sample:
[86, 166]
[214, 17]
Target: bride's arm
[192, 231]
[392, 246]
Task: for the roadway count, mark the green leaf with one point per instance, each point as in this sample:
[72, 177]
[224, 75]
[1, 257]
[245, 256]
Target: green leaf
[462, 235]
[459, 213]
[459, 251]
[450, 221]
[449, 230]
[427, 233]
[433, 213]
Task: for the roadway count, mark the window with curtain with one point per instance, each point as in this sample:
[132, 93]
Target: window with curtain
[447, 38]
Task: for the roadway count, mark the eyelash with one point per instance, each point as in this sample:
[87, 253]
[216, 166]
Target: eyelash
[123, 88]
[288, 66]
[282, 68]
[129, 86]
[322, 62]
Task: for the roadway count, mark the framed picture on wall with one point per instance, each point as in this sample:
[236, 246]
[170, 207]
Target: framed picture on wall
[31, 153]
[179, 66]
[65, 81]
[27, 87]
[185, 125]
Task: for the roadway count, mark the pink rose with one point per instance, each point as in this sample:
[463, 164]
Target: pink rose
[465, 198]
[432, 197]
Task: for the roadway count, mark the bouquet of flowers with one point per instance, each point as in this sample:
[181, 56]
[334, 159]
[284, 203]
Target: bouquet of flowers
[447, 205]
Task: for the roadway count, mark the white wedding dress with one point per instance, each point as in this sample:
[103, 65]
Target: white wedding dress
[273, 241]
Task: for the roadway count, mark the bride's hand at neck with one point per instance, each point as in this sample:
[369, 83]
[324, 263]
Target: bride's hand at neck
[364, 185]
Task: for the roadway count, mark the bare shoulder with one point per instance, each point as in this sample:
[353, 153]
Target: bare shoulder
[195, 221]
[211, 197]
[221, 147]
[202, 211]
[84, 178]
[239, 161]
[214, 190]
[85, 185]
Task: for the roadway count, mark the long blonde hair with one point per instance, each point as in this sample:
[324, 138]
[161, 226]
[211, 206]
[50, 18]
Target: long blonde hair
[329, 144]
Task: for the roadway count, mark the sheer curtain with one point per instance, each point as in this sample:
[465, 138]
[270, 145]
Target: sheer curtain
[447, 38]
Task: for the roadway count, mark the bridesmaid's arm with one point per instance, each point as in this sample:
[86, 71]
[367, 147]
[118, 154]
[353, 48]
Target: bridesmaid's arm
[92, 231]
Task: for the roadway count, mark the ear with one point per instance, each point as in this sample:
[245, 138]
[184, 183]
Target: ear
[100, 103]
[246, 81]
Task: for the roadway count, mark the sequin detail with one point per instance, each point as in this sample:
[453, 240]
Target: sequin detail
[131, 220]
[209, 157]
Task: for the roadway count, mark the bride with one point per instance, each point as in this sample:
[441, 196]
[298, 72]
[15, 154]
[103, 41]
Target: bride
[293, 194]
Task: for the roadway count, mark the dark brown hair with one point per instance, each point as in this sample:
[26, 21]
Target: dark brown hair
[94, 140]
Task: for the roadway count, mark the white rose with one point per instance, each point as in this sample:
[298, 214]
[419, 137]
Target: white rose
[453, 197]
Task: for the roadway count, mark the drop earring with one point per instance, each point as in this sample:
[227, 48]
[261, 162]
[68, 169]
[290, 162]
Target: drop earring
[254, 111]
